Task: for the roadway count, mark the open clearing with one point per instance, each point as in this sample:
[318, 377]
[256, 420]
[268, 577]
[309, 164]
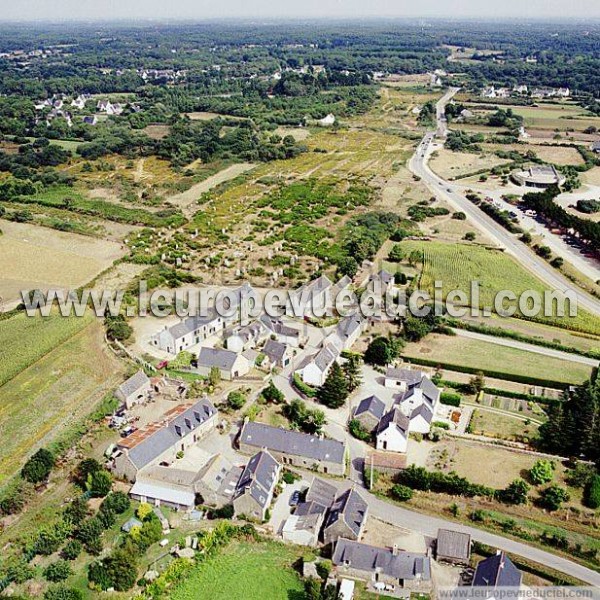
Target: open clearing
[36, 257]
[55, 370]
[505, 427]
[558, 155]
[556, 116]
[466, 458]
[454, 350]
[253, 571]
[457, 265]
[450, 165]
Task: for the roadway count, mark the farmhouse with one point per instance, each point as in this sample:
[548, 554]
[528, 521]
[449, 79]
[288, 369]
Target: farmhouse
[453, 547]
[349, 330]
[230, 364]
[294, 448]
[402, 379]
[255, 489]
[407, 570]
[419, 402]
[314, 369]
[369, 412]
[497, 571]
[279, 354]
[304, 525]
[246, 337]
[159, 443]
[175, 497]
[346, 517]
[134, 390]
[281, 332]
[392, 432]
[188, 332]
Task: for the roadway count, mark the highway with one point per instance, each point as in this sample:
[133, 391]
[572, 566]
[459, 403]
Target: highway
[448, 192]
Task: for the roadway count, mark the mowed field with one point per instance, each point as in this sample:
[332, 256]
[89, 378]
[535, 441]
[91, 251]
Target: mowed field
[556, 116]
[476, 354]
[52, 373]
[252, 571]
[457, 265]
[37, 257]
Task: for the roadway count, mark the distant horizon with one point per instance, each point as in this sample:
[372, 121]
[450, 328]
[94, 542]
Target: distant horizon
[110, 11]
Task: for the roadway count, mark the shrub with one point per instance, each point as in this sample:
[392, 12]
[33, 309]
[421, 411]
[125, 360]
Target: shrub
[38, 467]
[542, 472]
[236, 400]
[382, 351]
[553, 497]
[515, 493]
[57, 571]
[289, 477]
[62, 592]
[118, 570]
[402, 493]
[116, 501]
[304, 388]
[591, 497]
[71, 550]
[273, 394]
[358, 431]
[99, 483]
[450, 398]
[144, 510]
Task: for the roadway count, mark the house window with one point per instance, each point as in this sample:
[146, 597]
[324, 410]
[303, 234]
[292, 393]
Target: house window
[324, 469]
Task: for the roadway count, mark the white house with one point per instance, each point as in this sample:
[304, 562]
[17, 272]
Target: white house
[188, 332]
[402, 379]
[281, 332]
[314, 369]
[246, 337]
[392, 431]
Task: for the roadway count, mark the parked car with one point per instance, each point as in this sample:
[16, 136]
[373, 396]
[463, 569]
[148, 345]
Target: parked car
[295, 498]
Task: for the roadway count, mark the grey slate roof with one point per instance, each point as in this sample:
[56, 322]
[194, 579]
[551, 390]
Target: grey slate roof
[134, 383]
[430, 390]
[403, 565]
[346, 327]
[497, 571]
[321, 493]
[411, 376]
[154, 445]
[326, 357]
[349, 507]
[259, 478]
[278, 327]
[372, 405]
[275, 351]
[453, 544]
[292, 442]
[425, 411]
[216, 357]
[190, 324]
[395, 416]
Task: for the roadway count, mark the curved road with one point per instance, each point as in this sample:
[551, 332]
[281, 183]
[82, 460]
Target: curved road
[447, 191]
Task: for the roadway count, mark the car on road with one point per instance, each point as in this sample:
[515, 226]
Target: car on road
[295, 498]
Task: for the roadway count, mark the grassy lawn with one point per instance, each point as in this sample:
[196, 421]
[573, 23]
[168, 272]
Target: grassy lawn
[245, 570]
[457, 265]
[55, 372]
[491, 424]
[484, 356]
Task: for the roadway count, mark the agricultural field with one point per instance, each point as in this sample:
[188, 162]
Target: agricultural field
[253, 571]
[484, 356]
[54, 371]
[557, 155]
[457, 265]
[36, 257]
[561, 117]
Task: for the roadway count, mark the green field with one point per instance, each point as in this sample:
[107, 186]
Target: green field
[54, 373]
[484, 356]
[457, 265]
[252, 571]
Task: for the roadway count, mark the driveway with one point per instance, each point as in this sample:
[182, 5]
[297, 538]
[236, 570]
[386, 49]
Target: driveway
[281, 509]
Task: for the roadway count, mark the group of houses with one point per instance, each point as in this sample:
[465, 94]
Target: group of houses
[413, 411]
[523, 90]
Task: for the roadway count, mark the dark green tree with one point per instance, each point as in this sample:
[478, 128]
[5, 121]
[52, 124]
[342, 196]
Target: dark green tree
[334, 392]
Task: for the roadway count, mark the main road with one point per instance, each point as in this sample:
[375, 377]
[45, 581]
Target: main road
[418, 165]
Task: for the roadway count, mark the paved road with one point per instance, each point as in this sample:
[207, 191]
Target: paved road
[510, 343]
[448, 191]
[428, 526]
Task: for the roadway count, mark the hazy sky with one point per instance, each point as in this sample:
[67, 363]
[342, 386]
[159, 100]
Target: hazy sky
[210, 9]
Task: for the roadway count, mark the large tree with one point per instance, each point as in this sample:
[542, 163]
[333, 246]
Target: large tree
[334, 392]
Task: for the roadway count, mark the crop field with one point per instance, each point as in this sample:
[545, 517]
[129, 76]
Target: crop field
[457, 265]
[53, 372]
[557, 116]
[36, 257]
[451, 165]
[476, 354]
[557, 154]
[251, 571]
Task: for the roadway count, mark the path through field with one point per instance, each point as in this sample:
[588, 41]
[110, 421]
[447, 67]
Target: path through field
[186, 200]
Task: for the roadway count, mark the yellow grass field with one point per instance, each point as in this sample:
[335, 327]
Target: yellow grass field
[54, 391]
[450, 165]
[557, 155]
[36, 257]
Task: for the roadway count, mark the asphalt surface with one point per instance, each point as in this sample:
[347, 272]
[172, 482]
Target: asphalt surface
[447, 191]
